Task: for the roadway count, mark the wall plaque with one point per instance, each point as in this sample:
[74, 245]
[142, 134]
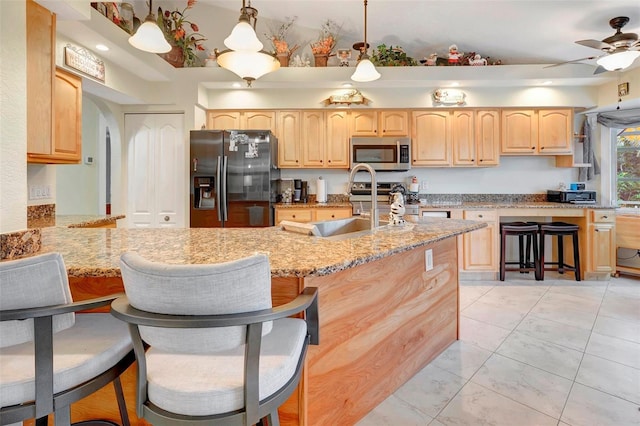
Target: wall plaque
[448, 97]
[84, 61]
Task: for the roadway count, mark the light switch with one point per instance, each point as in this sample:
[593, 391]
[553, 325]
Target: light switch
[428, 260]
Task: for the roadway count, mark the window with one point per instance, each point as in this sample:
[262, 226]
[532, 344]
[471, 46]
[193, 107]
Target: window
[628, 167]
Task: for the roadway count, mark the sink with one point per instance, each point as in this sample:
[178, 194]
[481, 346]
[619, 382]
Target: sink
[349, 227]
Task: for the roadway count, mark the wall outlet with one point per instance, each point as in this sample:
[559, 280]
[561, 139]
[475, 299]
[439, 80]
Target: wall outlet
[428, 260]
[38, 192]
[423, 185]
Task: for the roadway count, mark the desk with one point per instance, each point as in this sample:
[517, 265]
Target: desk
[597, 237]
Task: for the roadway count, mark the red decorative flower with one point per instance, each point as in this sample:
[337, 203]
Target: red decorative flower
[173, 25]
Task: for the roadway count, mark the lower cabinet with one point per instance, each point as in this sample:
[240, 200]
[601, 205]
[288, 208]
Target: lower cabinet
[479, 251]
[601, 237]
[311, 214]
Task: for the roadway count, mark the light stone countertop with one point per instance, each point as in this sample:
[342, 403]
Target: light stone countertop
[95, 252]
[73, 221]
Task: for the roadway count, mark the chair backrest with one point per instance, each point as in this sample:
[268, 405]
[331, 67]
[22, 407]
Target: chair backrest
[29, 283]
[224, 288]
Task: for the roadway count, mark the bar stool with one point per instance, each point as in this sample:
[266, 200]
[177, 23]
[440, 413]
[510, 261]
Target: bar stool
[560, 229]
[521, 230]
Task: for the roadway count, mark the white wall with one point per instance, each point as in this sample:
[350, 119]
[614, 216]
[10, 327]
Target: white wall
[77, 184]
[13, 117]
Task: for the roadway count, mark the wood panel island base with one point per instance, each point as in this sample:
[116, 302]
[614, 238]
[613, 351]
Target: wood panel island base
[383, 315]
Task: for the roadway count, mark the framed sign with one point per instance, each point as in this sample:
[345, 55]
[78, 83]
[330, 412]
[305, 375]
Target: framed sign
[623, 89]
[84, 61]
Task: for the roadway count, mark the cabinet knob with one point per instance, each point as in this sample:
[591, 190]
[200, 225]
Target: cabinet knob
[167, 218]
[333, 215]
[605, 217]
[533, 147]
[481, 160]
[542, 147]
[328, 161]
[597, 230]
[293, 215]
[474, 160]
[480, 216]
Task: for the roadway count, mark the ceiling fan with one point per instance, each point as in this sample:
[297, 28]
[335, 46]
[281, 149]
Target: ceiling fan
[620, 50]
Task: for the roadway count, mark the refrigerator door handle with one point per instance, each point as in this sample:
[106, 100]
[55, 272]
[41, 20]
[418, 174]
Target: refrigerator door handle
[224, 204]
[218, 195]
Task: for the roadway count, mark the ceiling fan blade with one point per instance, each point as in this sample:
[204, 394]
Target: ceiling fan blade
[600, 70]
[572, 62]
[596, 44]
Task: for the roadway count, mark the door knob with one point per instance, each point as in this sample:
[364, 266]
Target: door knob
[167, 218]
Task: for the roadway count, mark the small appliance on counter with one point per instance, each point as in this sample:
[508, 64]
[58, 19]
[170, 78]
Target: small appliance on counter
[571, 196]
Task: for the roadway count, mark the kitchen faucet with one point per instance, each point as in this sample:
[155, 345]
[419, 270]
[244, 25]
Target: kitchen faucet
[374, 189]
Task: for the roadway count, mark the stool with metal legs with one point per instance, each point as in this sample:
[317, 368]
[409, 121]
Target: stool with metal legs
[560, 230]
[522, 230]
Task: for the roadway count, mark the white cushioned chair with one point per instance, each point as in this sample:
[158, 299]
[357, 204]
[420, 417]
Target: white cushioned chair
[49, 356]
[218, 353]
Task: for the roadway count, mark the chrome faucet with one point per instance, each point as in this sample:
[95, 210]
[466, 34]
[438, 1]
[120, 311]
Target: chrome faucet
[374, 189]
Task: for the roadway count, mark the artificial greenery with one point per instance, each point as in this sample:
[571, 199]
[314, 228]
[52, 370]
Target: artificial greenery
[391, 57]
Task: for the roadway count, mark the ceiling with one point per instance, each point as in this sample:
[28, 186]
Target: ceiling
[529, 34]
[514, 31]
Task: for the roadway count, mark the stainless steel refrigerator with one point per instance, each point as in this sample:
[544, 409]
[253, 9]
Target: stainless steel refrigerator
[233, 178]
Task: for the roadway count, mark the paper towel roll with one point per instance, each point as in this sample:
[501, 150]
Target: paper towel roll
[321, 190]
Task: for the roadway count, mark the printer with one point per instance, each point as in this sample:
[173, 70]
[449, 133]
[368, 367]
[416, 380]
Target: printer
[572, 196]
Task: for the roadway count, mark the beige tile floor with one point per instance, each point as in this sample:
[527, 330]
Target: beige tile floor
[556, 352]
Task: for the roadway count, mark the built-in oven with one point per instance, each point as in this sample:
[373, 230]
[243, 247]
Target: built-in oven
[383, 154]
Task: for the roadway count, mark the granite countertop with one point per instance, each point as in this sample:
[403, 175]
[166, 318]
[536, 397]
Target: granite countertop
[95, 252]
[73, 221]
[469, 205]
[327, 205]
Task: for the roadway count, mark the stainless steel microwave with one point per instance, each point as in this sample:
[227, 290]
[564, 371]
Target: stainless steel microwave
[383, 154]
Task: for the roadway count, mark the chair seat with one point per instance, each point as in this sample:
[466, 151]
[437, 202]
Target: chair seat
[93, 345]
[214, 384]
[559, 227]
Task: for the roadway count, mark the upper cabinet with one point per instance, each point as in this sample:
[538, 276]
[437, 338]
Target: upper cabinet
[241, 120]
[288, 133]
[431, 138]
[544, 131]
[487, 133]
[54, 96]
[380, 123]
[337, 139]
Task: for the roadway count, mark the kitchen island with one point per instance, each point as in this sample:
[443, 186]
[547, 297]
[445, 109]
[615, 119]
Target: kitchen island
[383, 315]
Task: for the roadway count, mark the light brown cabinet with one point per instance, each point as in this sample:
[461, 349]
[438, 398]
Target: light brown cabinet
[311, 214]
[487, 135]
[322, 139]
[54, 97]
[544, 131]
[242, 120]
[602, 241]
[313, 139]
[463, 138]
[431, 138]
[337, 139]
[479, 251]
[40, 44]
[380, 123]
[288, 134]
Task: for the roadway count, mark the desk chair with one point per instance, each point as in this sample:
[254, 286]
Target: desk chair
[218, 353]
[50, 357]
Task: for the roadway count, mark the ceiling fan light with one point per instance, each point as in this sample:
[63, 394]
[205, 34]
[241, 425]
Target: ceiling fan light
[243, 38]
[149, 37]
[248, 65]
[618, 61]
[365, 71]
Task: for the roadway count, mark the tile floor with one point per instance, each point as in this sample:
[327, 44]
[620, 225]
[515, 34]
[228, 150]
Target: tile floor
[557, 352]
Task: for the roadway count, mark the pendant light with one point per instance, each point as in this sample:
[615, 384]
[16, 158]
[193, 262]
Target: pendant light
[244, 56]
[365, 71]
[149, 37]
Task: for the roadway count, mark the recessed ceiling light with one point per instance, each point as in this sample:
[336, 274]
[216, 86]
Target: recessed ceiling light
[236, 85]
[102, 47]
[347, 85]
[546, 83]
[455, 84]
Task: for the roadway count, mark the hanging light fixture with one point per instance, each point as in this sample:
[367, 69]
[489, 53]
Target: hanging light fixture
[149, 37]
[618, 60]
[244, 55]
[365, 71]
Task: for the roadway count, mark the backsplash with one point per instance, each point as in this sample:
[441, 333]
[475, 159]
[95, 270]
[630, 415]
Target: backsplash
[483, 198]
[42, 211]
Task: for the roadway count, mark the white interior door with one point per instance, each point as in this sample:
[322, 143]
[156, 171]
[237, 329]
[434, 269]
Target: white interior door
[155, 146]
